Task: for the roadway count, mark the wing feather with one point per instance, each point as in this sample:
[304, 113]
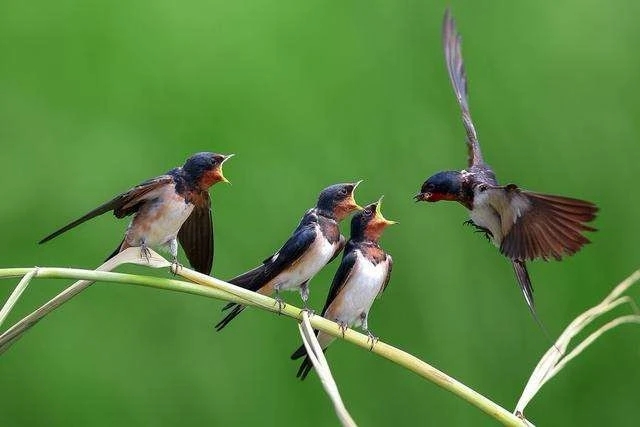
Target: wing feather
[452, 44]
[196, 236]
[122, 205]
[342, 274]
[548, 227]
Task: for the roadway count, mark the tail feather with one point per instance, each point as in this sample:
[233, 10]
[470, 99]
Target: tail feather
[304, 369]
[237, 309]
[520, 268]
[252, 279]
[306, 365]
[301, 351]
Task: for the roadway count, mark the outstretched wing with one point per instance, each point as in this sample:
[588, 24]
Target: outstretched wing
[196, 235]
[123, 205]
[543, 226]
[452, 43]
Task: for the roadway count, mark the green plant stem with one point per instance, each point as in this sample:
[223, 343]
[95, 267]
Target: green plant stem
[213, 288]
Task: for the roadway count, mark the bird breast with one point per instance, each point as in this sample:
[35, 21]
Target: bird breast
[158, 221]
[308, 265]
[484, 215]
[362, 287]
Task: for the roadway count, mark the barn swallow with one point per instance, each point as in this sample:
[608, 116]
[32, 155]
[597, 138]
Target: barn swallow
[363, 275]
[171, 207]
[314, 243]
[524, 225]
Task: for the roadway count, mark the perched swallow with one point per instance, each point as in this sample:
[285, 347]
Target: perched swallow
[314, 243]
[171, 207]
[363, 275]
[524, 225]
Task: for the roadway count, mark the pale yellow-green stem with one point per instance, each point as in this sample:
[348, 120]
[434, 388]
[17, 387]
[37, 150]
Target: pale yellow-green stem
[213, 288]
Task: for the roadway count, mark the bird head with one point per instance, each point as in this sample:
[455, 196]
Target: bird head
[441, 186]
[338, 201]
[205, 169]
[369, 223]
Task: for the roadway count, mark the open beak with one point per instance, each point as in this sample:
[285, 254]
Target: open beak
[219, 173]
[379, 219]
[422, 197]
[352, 201]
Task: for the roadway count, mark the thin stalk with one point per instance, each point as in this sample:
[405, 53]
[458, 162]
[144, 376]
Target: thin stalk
[213, 288]
[316, 355]
[15, 295]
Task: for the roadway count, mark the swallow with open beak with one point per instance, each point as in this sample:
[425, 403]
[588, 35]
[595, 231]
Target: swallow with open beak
[363, 275]
[524, 225]
[169, 208]
[314, 243]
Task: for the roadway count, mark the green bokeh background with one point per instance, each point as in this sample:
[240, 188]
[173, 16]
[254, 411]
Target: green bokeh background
[97, 96]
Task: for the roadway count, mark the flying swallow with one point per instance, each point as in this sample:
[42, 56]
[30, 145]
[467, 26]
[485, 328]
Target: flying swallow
[314, 243]
[169, 208]
[363, 275]
[524, 225]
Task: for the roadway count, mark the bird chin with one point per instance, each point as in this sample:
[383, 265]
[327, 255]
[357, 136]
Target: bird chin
[423, 197]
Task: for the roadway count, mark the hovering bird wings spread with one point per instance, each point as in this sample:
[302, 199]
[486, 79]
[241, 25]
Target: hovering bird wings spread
[452, 43]
[196, 235]
[538, 225]
[123, 205]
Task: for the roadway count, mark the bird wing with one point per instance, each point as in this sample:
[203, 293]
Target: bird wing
[342, 275]
[539, 225]
[452, 43]
[339, 248]
[122, 205]
[290, 253]
[196, 235]
[388, 277]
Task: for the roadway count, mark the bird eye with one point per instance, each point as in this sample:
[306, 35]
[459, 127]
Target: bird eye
[367, 212]
[343, 191]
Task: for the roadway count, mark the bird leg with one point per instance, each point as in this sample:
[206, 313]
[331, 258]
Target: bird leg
[343, 327]
[304, 294]
[173, 250]
[370, 336]
[279, 302]
[478, 229]
[145, 253]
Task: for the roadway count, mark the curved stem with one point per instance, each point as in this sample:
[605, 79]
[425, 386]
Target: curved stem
[213, 288]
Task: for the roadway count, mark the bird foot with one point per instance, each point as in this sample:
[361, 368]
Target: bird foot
[310, 311]
[478, 229]
[343, 327]
[371, 339]
[145, 253]
[280, 303]
[175, 266]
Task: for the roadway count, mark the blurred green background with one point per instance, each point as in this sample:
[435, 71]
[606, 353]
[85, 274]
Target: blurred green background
[97, 96]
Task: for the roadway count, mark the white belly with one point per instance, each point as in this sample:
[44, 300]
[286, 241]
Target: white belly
[484, 215]
[316, 257]
[360, 291]
[159, 220]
